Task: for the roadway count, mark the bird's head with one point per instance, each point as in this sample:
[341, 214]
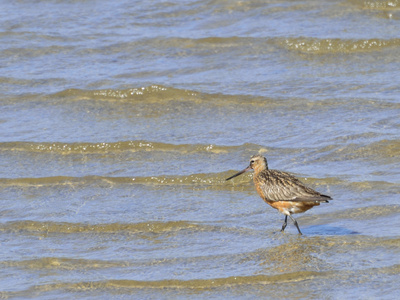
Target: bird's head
[257, 162]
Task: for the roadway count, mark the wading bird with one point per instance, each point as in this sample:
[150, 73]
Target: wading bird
[281, 190]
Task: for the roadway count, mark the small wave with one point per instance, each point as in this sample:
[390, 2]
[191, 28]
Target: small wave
[152, 94]
[200, 180]
[149, 94]
[159, 94]
[214, 179]
[360, 213]
[107, 147]
[209, 180]
[172, 283]
[126, 286]
[369, 212]
[129, 228]
[378, 4]
[43, 181]
[385, 149]
[62, 263]
[328, 46]
[156, 100]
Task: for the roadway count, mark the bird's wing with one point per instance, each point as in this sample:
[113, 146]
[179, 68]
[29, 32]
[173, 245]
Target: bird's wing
[281, 186]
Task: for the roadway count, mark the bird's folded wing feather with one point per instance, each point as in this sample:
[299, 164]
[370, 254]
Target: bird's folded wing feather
[288, 188]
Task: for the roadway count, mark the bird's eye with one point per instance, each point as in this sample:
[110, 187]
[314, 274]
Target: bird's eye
[252, 162]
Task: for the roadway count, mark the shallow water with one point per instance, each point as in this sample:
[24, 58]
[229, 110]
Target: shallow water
[120, 120]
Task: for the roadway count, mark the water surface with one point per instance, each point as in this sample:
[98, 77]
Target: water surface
[120, 120]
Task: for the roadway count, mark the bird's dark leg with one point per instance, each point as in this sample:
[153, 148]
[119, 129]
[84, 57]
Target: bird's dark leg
[295, 223]
[284, 224]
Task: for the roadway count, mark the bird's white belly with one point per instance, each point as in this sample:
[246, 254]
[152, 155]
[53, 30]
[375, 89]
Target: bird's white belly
[292, 210]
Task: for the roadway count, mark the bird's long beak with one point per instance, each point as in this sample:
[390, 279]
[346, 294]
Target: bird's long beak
[241, 172]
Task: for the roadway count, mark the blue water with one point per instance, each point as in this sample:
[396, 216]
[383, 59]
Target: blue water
[120, 120]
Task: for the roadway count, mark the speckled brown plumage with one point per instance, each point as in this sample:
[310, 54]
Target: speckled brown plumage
[281, 190]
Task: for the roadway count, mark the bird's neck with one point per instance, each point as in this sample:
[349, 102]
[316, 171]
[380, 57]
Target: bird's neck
[259, 170]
